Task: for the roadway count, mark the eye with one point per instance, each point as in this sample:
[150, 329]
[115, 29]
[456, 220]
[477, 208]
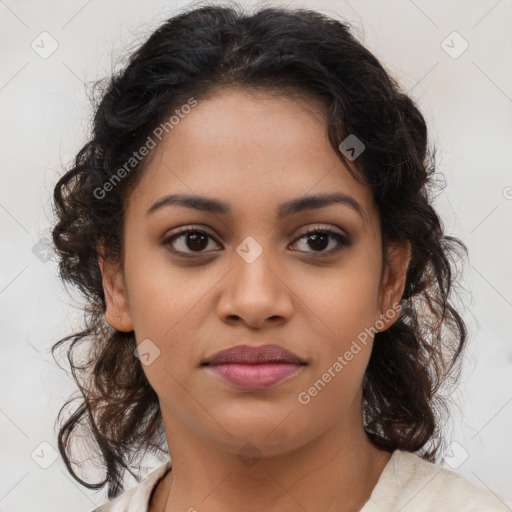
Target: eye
[319, 239]
[196, 240]
[188, 240]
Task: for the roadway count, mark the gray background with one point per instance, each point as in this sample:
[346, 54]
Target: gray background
[466, 98]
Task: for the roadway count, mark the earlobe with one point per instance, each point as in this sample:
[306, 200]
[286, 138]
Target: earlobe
[393, 283]
[117, 313]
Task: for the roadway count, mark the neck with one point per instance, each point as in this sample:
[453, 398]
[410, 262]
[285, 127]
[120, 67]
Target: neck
[336, 471]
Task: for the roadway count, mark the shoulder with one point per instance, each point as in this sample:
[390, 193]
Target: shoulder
[411, 484]
[136, 499]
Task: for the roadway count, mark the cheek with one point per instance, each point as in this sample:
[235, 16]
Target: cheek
[345, 301]
[165, 303]
[345, 312]
[343, 351]
[349, 315]
[160, 292]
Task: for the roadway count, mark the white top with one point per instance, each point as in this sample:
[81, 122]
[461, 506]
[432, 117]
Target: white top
[408, 483]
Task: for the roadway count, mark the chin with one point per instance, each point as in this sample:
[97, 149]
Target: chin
[267, 431]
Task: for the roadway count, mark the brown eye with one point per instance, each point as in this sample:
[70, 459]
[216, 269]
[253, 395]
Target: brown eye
[188, 241]
[319, 239]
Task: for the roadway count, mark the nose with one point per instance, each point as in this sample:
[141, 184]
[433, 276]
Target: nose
[255, 292]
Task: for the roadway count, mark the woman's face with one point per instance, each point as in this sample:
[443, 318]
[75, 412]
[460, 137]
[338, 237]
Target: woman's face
[255, 277]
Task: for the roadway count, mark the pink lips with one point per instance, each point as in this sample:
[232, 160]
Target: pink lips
[254, 367]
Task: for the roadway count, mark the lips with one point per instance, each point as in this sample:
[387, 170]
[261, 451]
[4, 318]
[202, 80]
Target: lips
[248, 354]
[253, 368]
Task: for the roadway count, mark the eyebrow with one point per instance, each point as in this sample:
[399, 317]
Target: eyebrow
[211, 205]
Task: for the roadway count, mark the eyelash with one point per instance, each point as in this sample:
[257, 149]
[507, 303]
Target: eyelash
[342, 240]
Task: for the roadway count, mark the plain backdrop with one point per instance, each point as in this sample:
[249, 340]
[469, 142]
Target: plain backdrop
[453, 57]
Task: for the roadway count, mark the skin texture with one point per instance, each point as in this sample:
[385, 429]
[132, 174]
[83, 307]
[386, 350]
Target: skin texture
[256, 151]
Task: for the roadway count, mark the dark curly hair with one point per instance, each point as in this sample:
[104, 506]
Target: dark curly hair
[194, 54]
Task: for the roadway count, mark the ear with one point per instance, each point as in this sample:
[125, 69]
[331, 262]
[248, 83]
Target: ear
[117, 313]
[393, 283]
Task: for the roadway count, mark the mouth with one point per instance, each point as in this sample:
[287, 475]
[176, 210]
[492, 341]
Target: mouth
[254, 368]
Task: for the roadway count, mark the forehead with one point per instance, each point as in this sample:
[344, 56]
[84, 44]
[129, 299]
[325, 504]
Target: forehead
[254, 150]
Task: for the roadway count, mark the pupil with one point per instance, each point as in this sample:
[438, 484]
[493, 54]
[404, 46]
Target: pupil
[195, 238]
[315, 238]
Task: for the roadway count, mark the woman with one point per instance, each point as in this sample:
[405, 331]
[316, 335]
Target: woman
[269, 287]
